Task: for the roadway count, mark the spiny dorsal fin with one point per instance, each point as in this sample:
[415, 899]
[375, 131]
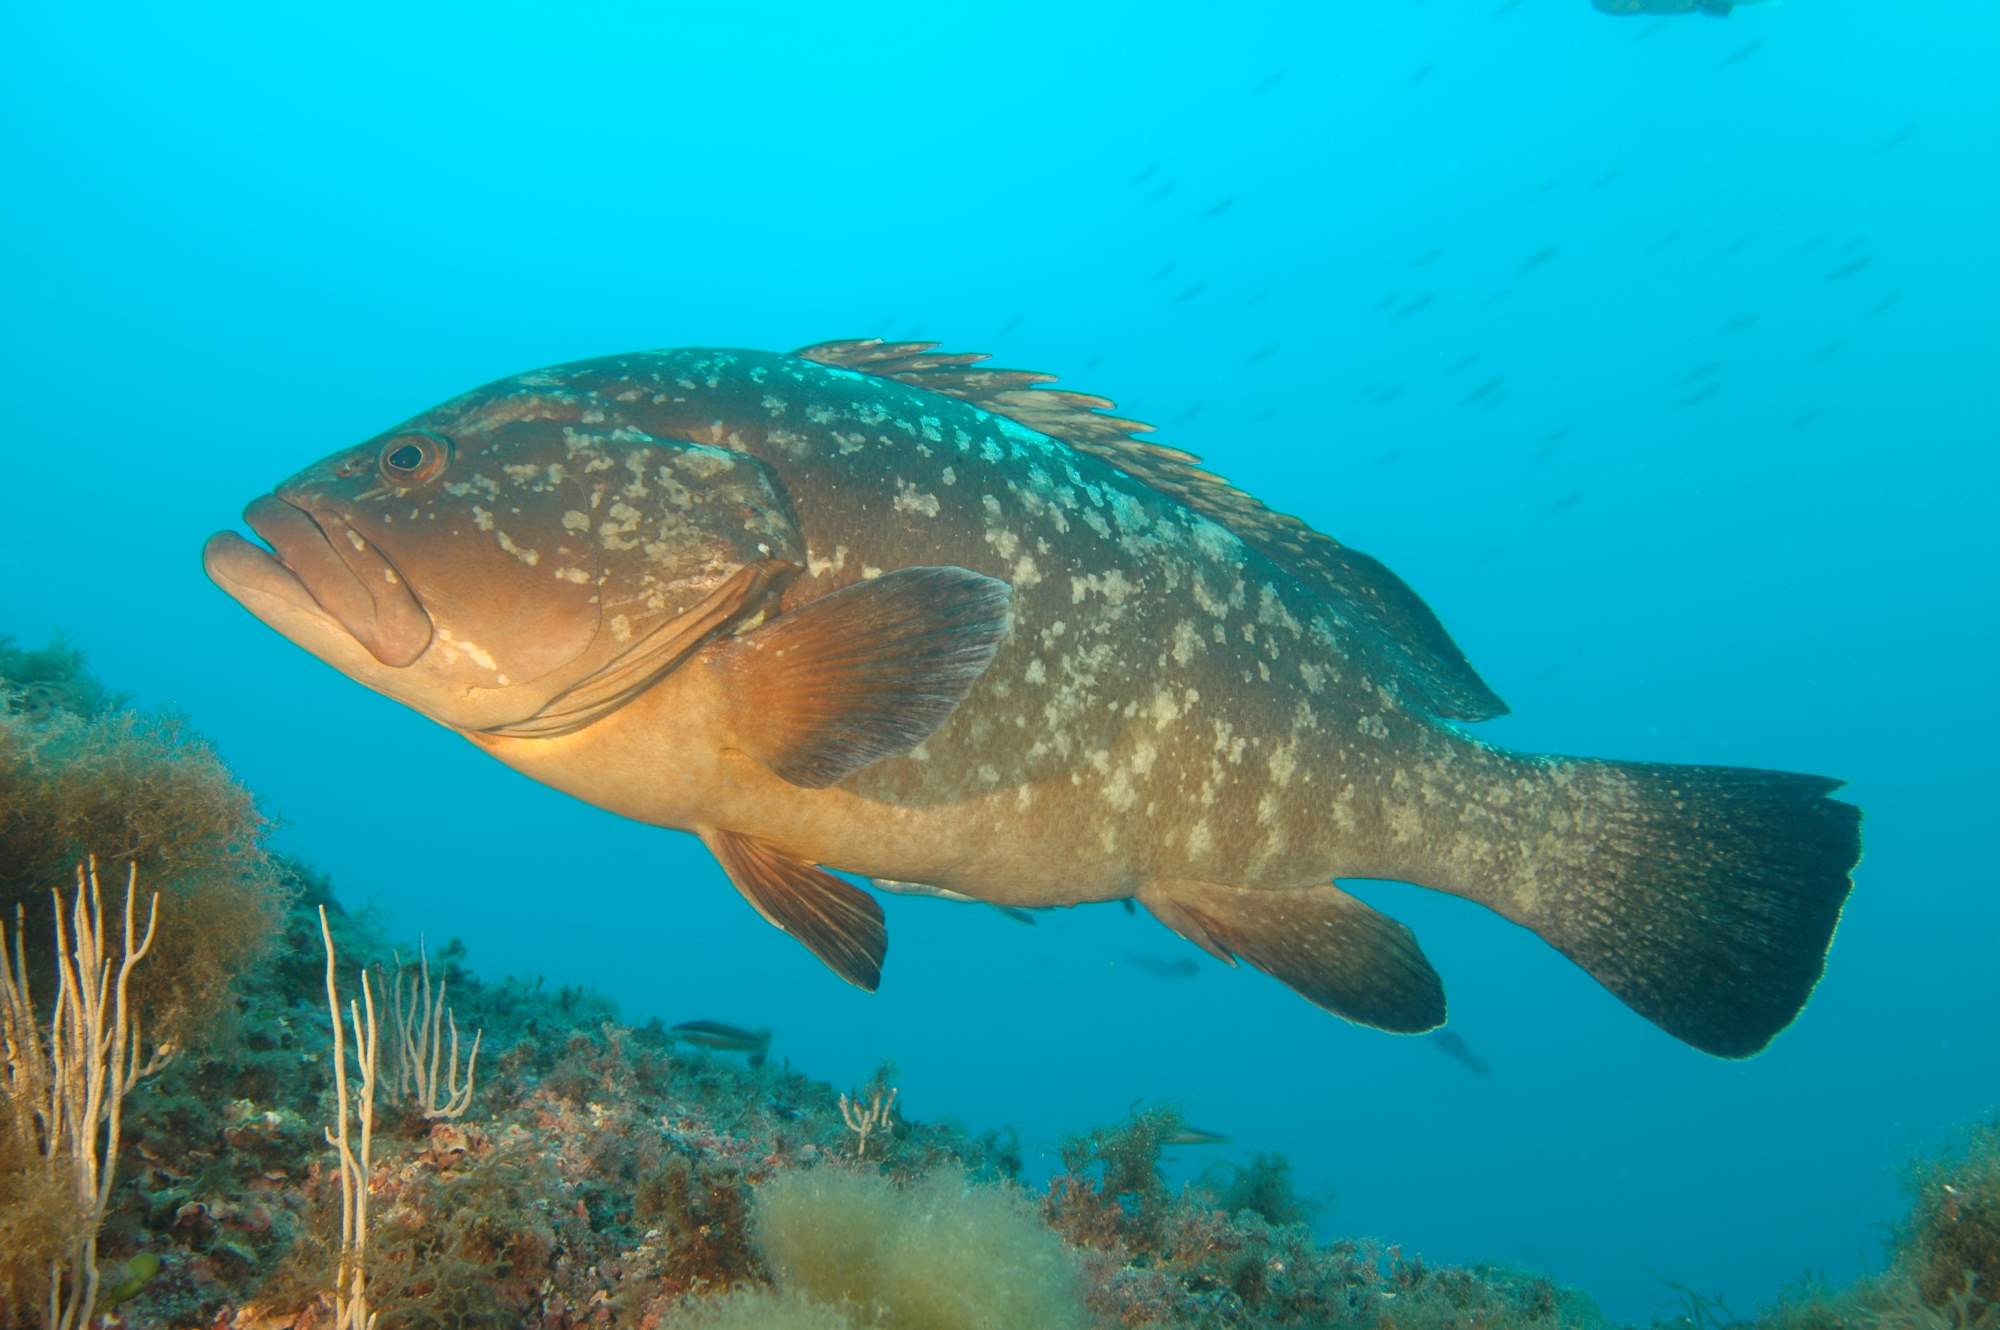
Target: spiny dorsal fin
[1446, 680]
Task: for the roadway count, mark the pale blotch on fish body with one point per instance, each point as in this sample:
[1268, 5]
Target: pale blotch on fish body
[864, 607]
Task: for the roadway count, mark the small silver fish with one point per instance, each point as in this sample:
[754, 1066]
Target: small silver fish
[725, 1038]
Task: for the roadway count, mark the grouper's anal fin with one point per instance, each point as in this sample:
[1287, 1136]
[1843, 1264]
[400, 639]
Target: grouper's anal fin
[1330, 948]
[863, 673]
[1396, 618]
[837, 922]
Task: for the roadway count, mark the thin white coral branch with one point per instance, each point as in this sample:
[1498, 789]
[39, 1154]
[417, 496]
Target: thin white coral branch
[350, 1298]
[424, 1070]
[66, 1090]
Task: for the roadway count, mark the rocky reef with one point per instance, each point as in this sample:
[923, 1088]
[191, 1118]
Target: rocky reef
[605, 1173]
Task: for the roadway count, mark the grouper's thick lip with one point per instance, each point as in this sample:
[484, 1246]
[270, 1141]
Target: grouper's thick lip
[315, 581]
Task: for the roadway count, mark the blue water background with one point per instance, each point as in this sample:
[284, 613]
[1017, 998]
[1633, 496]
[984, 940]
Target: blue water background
[237, 237]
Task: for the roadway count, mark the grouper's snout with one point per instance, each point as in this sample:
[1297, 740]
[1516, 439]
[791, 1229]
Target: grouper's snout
[319, 554]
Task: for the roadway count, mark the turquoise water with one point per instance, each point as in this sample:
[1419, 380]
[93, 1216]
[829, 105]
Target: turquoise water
[236, 239]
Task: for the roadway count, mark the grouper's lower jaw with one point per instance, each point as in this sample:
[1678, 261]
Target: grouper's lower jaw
[264, 586]
[346, 580]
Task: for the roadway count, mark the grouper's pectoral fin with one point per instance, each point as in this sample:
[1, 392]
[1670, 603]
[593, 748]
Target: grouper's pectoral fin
[839, 923]
[863, 673]
[1329, 947]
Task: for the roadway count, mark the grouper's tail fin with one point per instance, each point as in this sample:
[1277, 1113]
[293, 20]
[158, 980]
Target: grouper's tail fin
[1705, 898]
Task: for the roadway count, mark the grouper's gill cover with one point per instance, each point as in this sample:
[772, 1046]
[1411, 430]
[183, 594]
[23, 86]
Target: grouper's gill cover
[874, 608]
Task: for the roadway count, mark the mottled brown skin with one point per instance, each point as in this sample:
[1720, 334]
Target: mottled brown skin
[1167, 705]
[1171, 715]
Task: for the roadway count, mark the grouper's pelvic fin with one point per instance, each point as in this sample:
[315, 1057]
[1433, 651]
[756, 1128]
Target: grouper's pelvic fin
[839, 923]
[1329, 947]
[1393, 615]
[863, 673]
[1704, 898]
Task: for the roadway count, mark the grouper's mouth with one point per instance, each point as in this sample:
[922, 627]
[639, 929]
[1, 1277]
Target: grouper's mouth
[319, 574]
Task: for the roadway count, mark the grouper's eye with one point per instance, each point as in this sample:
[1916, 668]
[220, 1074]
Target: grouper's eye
[414, 457]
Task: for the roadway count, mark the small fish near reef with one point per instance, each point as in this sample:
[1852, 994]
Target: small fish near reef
[724, 1038]
[874, 608]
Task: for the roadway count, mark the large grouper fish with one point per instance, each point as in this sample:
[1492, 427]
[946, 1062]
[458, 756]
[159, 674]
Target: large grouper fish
[872, 608]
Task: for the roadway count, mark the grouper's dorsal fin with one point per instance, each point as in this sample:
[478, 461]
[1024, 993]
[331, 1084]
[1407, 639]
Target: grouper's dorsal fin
[1446, 681]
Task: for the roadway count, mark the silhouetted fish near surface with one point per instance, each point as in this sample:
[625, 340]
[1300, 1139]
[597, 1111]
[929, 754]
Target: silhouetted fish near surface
[1419, 74]
[1741, 323]
[1712, 8]
[1735, 247]
[1165, 270]
[1741, 53]
[724, 1038]
[1608, 178]
[1009, 326]
[1827, 352]
[1188, 293]
[1180, 967]
[1426, 259]
[1220, 206]
[1255, 298]
[1809, 246]
[1463, 363]
[1384, 459]
[1701, 371]
[1698, 396]
[1490, 388]
[1269, 82]
[1415, 305]
[1565, 503]
[804, 605]
[1166, 188]
[1536, 260]
[1851, 267]
[1664, 243]
[1452, 1046]
[1261, 354]
[1886, 303]
[1897, 139]
[1550, 442]
[1145, 174]
[1805, 418]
